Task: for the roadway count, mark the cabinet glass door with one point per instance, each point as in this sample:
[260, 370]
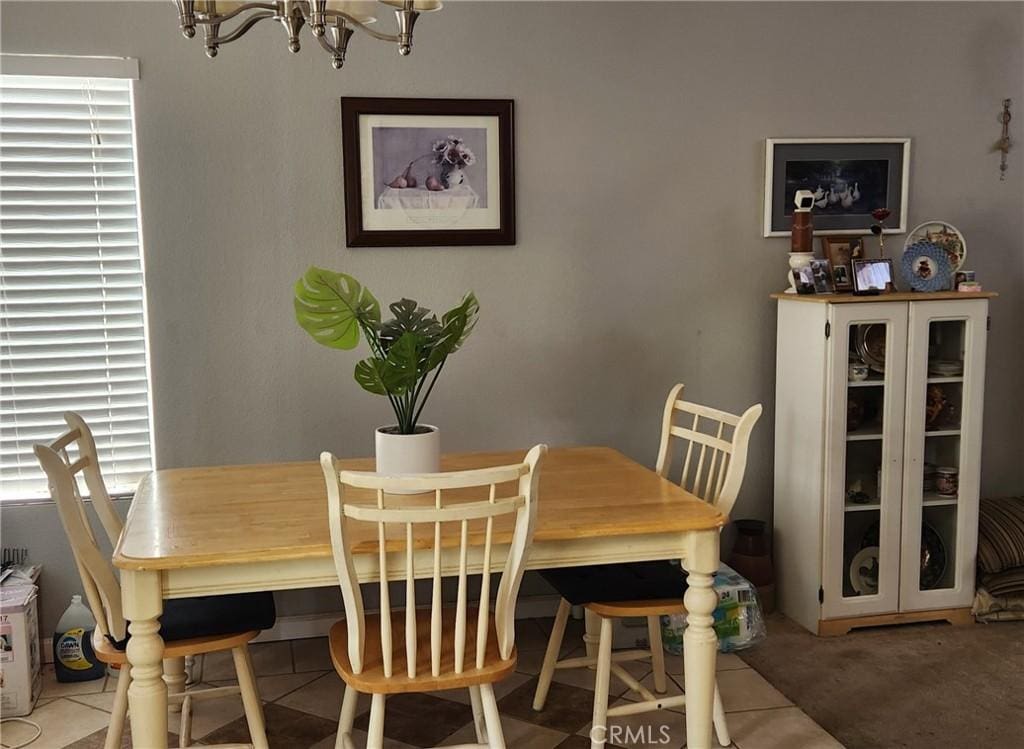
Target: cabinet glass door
[945, 370]
[864, 451]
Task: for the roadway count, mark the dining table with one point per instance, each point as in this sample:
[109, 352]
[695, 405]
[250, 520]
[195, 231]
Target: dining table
[232, 529]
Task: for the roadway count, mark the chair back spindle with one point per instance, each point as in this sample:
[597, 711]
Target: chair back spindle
[433, 533]
[715, 457]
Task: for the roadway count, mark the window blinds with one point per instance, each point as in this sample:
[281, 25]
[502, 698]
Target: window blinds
[72, 308]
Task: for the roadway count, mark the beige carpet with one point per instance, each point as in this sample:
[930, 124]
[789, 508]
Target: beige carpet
[931, 686]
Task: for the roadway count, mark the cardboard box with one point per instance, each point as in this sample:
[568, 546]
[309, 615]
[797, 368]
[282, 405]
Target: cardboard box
[20, 675]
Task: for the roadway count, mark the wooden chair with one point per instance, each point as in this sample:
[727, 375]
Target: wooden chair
[714, 472]
[429, 649]
[103, 591]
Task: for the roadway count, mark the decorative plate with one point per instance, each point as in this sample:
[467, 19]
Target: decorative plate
[933, 554]
[933, 557]
[864, 571]
[871, 346]
[945, 368]
[943, 235]
[926, 267]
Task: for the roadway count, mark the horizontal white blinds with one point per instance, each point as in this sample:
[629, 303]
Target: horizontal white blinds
[72, 323]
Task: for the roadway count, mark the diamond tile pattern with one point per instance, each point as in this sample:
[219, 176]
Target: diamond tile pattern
[302, 697]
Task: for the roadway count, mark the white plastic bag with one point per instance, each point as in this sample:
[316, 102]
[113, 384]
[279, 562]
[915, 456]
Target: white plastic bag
[739, 622]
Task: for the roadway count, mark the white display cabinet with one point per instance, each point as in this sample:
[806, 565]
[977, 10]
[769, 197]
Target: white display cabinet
[877, 476]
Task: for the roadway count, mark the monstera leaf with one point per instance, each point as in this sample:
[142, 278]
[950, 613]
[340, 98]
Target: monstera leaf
[409, 317]
[397, 373]
[332, 306]
[368, 375]
[456, 325]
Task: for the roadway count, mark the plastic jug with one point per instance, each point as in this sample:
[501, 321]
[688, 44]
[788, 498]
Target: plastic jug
[73, 656]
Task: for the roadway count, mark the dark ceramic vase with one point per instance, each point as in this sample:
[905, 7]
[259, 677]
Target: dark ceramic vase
[751, 558]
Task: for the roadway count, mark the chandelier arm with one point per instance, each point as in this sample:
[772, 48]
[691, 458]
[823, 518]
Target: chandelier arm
[209, 20]
[337, 14]
[242, 28]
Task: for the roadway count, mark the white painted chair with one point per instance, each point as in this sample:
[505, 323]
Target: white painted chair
[410, 649]
[713, 472]
[103, 591]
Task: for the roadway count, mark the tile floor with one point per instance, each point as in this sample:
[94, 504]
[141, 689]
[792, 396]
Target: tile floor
[303, 697]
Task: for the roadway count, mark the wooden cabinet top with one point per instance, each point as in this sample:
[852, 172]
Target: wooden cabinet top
[894, 296]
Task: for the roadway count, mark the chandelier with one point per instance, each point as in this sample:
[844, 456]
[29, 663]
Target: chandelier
[333, 22]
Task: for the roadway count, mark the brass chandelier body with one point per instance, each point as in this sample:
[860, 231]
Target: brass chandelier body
[332, 22]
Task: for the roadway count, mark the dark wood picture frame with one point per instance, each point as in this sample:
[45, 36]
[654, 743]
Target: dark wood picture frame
[840, 251]
[358, 235]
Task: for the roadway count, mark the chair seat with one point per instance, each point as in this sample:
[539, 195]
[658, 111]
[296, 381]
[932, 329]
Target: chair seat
[612, 583]
[191, 623]
[654, 607]
[372, 679]
[110, 655]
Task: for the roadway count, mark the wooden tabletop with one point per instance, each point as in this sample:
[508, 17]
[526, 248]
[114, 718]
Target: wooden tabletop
[197, 517]
[892, 296]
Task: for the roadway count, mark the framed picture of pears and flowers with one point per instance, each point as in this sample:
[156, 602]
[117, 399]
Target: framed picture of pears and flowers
[428, 172]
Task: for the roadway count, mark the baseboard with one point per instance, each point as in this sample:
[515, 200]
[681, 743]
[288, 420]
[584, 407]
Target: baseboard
[317, 625]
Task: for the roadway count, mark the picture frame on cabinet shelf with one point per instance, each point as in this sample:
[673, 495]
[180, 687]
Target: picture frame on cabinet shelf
[872, 276]
[821, 273]
[849, 178]
[840, 250]
[803, 280]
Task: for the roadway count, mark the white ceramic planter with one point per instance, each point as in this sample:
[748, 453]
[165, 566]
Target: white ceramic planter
[399, 454]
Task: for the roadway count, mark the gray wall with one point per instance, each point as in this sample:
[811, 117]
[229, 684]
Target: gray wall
[640, 130]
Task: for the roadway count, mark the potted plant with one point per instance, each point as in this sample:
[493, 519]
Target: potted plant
[407, 354]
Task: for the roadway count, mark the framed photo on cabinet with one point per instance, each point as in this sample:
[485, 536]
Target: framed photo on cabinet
[841, 251]
[428, 172]
[849, 177]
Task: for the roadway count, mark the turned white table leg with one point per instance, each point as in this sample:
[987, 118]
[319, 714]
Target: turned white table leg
[147, 695]
[700, 644]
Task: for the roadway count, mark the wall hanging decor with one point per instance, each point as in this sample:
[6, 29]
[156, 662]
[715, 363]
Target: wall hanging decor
[849, 178]
[1004, 144]
[428, 172]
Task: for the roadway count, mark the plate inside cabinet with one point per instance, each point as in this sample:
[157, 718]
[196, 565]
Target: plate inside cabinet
[933, 557]
[864, 571]
[871, 345]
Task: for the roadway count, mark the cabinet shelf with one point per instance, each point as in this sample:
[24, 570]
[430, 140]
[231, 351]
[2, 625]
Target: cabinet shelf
[868, 383]
[940, 380]
[933, 499]
[871, 432]
[855, 507]
[942, 433]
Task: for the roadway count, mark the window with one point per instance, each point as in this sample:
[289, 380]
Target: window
[72, 298]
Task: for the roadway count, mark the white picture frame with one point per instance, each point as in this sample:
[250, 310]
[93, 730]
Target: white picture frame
[831, 149]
